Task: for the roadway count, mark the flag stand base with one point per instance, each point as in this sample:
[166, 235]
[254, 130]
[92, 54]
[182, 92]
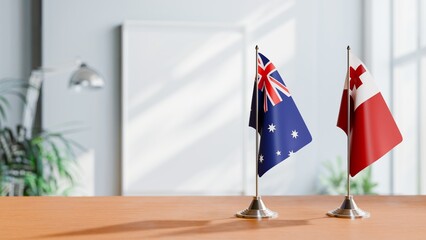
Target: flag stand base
[349, 209]
[257, 209]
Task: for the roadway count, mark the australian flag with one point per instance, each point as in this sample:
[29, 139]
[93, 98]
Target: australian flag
[281, 127]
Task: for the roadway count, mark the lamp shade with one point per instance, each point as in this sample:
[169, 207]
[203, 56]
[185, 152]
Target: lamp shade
[86, 77]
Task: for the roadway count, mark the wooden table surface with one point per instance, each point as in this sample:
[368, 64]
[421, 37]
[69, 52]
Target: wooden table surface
[300, 217]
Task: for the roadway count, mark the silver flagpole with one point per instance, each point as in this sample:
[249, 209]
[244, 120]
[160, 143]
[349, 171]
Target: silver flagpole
[348, 209]
[348, 147]
[257, 122]
[257, 208]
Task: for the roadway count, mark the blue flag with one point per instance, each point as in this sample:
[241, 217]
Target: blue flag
[281, 127]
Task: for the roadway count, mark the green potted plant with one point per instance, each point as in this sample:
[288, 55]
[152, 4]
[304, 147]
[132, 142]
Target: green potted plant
[36, 165]
[334, 180]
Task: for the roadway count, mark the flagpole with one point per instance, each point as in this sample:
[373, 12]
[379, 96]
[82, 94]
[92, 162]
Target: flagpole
[257, 208]
[257, 123]
[348, 209]
[349, 125]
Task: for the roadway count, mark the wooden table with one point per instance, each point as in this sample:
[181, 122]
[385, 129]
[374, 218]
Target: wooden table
[301, 217]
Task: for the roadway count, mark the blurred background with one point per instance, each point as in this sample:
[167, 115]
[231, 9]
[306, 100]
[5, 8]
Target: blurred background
[172, 117]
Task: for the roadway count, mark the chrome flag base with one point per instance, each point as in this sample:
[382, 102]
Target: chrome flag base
[257, 209]
[349, 209]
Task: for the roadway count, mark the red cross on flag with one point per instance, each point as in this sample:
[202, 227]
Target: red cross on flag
[373, 131]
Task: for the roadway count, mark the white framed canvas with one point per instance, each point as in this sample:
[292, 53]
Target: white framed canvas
[184, 109]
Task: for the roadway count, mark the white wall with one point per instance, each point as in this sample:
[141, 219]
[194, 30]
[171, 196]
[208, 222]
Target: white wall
[15, 47]
[393, 44]
[305, 39]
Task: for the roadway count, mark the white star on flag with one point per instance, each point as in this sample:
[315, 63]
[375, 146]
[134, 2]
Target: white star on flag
[294, 134]
[278, 153]
[261, 159]
[272, 127]
[290, 153]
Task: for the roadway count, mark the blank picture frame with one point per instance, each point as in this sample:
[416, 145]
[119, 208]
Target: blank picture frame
[184, 109]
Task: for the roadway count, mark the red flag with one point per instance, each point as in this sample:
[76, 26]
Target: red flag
[373, 129]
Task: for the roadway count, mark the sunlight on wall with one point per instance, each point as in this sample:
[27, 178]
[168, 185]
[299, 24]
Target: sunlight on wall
[214, 45]
[266, 14]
